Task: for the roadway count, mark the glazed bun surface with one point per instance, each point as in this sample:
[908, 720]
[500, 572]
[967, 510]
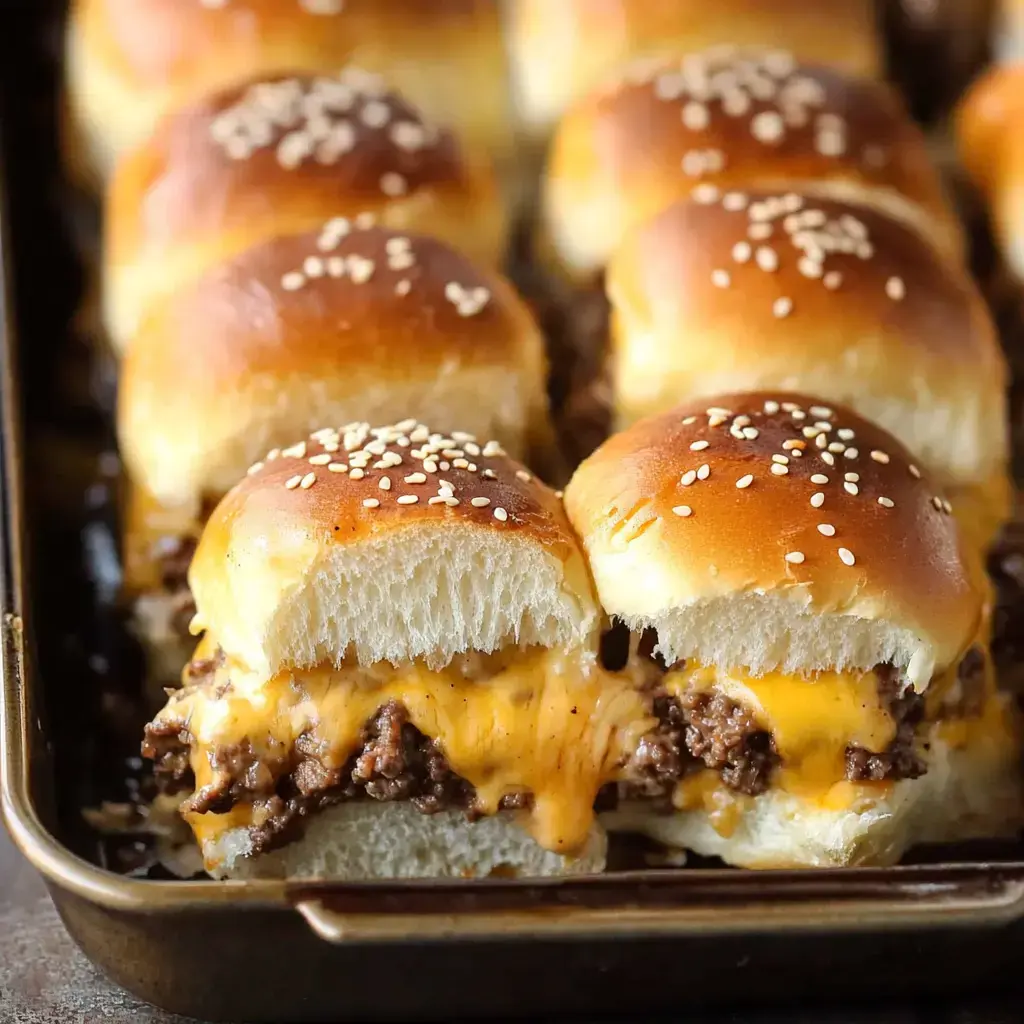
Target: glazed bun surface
[742, 291]
[560, 50]
[278, 156]
[389, 544]
[349, 322]
[726, 525]
[132, 61]
[735, 119]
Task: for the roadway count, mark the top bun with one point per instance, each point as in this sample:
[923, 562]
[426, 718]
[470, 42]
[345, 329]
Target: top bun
[726, 526]
[734, 119]
[560, 48]
[129, 62]
[389, 544]
[278, 156]
[348, 322]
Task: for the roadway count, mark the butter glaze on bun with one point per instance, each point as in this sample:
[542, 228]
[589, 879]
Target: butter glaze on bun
[348, 322]
[391, 544]
[277, 156]
[743, 291]
[726, 525]
[735, 119]
[129, 62]
[561, 48]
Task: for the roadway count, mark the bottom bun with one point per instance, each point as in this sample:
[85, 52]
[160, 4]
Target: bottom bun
[967, 793]
[363, 840]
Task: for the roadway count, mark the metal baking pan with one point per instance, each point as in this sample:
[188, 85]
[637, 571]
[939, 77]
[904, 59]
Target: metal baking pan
[630, 941]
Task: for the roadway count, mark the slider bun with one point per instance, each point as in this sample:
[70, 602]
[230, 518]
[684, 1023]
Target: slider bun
[367, 840]
[989, 126]
[898, 334]
[560, 48]
[1008, 32]
[259, 351]
[278, 156]
[970, 792]
[716, 583]
[292, 575]
[129, 62]
[628, 150]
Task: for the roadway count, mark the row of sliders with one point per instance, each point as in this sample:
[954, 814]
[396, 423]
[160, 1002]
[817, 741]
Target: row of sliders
[416, 660]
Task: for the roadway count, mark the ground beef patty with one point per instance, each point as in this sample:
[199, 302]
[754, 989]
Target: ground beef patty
[900, 760]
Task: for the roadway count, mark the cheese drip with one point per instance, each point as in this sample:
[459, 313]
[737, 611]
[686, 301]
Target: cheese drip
[812, 719]
[546, 723]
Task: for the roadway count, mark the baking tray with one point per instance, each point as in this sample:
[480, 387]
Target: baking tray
[631, 941]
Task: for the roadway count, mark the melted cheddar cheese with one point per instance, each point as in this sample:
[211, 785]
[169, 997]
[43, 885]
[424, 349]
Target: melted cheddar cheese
[545, 723]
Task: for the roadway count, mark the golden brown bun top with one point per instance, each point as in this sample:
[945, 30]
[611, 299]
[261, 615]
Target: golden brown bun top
[989, 122]
[734, 495]
[158, 43]
[341, 317]
[739, 118]
[289, 139]
[799, 268]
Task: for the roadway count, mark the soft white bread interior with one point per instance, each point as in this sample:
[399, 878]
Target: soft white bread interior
[750, 290]
[736, 119]
[747, 545]
[367, 840]
[968, 792]
[372, 544]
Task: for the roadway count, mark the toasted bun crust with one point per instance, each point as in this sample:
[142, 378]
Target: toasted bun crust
[702, 531]
[368, 840]
[735, 119]
[425, 546]
[323, 327]
[749, 290]
[560, 50]
[278, 156]
[991, 144]
[970, 792]
[131, 61]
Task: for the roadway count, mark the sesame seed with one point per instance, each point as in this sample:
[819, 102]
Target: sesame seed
[393, 184]
[946, 507]
[826, 529]
[845, 434]
[297, 451]
[782, 307]
[705, 194]
[338, 467]
[767, 258]
[688, 477]
[320, 460]
[886, 502]
[817, 499]
[682, 510]
[850, 487]
[745, 481]
[371, 503]
[699, 446]
[500, 514]
[521, 474]
[695, 116]
[771, 407]
[384, 483]
[937, 502]
[851, 453]
[720, 278]
[480, 502]
[768, 127]
[781, 459]
[810, 433]
[408, 499]
[895, 288]
[832, 280]
[795, 557]
[254, 468]
[416, 478]
[852, 477]
[292, 482]
[734, 201]
[819, 478]
[914, 471]
[313, 266]
[689, 420]
[703, 472]
[779, 470]
[307, 481]
[821, 410]
[793, 445]
[847, 556]
[403, 287]
[716, 421]
[742, 251]
[828, 458]
[293, 281]
[837, 446]
[357, 474]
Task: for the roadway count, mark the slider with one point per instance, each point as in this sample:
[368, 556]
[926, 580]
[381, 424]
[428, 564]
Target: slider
[130, 62]
[745, 290]
[731, 118]
[814, 627]
[398, 675]
[280, 155]
[347, 321]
